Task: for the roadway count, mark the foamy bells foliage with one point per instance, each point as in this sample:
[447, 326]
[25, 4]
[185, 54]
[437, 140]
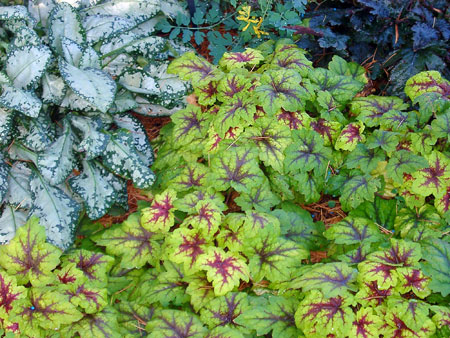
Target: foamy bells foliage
[71, 72]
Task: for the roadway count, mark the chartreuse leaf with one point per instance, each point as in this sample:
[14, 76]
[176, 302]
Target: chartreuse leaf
[307, 152]
[350, 136]
[10, 292]
[123, 159]
[90, 298]
[186, 245]
[167, 288]
[190, 124]
[371, 109]
[26, 65]
[442, 203]
[249, 57]
[271, 141]
[189, 201]
[131, 241]
[366, 324]
[200, 290]
[364, 158]
[101, 324]
[433, 179]
[28, 257]
[329, 130]
[354, 230]
[175, 323]
[441, 317]
[207, 93]
[224, 332]
[436, 252]
[233, 232]
[194, 68]
[271, 314]
[332, 279]
[427, 82]
[291, 58]
[159, 216]
[281, 89]
[223, 269]
[238, 111]
[404, 162]
[133, 317]
[224, 310]
[272, 258]
[94, 265]
[234, 83]
[236, 168]
[319, 316]
[206, 218]
[418, 224]
[44, 309]
[414, 280]
[381, 266]
[260, 198]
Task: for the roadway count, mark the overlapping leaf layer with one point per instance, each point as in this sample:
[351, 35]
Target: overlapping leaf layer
[223, 249]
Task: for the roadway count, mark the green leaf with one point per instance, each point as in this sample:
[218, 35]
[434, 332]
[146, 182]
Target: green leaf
[122, 158]
[307, 152]
[332, 279]
[64, 22]
[364, 158]
[174, 323]
[223, 269]
[354, 230]
[380, 211]
[417, 224]
[92, 85]
[26, 65]
[357, 189]
[57, 162]
[281, 89]
[132, 242]
[291, 58]
[200, 290]
[404, 162]
[271, 314]
[437, 266]
[372, 109]
[385, 140]
[260, 198]
[28, 257]
[341, 67]
[273, 258]
[23, 101]
[441, 126]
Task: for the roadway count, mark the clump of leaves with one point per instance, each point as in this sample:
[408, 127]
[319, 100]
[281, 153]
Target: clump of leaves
[70, 75]
[394, 39]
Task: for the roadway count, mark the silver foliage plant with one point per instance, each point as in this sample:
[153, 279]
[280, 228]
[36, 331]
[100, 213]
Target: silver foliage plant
[70, 71]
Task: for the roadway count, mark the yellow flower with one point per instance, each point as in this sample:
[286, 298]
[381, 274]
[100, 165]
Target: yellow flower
[257, 27]
[245, 16]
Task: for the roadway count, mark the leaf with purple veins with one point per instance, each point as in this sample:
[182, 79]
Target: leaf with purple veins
[235, 83]
[224, 269]
[350, 136]
[233, 60]
[354, 230]
[319, 316]
[10, 292]
[188, 202]
[200, 290]
[414, 280]
[176, 324]
[271, 314]
[332, 279]
[366, 324]
[28, 257]
[427, 82]
[193, 176]
[236, 111]
[189, 124]
[371, 109]
[159, 216]
[194, 68]
[433, 179]
[224, 310]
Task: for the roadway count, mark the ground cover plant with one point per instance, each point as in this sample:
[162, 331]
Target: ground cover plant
[223, 249]
[69, 75]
